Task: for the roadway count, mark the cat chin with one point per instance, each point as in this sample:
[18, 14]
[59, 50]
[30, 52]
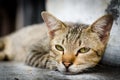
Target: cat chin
[67, 72]
[71, 70]
[74, 69]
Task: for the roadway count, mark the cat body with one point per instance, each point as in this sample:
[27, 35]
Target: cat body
[68, 47]
[18, 43]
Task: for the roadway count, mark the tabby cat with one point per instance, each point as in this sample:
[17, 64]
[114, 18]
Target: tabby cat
[69, 47]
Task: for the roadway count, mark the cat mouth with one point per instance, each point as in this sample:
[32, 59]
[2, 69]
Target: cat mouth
[67, 72]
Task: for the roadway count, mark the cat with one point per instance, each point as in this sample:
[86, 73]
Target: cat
[68, 47]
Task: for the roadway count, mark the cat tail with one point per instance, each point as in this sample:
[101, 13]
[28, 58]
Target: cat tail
[2, 47]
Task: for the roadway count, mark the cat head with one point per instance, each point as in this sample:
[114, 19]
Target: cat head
[76, 47]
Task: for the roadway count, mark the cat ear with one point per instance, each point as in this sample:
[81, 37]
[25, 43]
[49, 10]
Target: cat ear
[52, 23]
[102, 27]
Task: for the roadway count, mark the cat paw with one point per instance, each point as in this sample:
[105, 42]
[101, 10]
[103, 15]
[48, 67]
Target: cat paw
[2, 56]
[51, 64]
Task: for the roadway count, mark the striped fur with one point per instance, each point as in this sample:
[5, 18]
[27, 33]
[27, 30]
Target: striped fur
[79, 46]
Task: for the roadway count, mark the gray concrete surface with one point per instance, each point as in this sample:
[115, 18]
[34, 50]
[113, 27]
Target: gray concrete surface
[20, 71]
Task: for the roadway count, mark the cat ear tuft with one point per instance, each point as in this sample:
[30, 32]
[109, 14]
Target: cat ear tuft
[102, 27]
[52, 22]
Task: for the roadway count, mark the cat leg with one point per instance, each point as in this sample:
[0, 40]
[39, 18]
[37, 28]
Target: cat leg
[2, 56]
[37, 59]
[40, 60]
[2, 46]
[5, 49]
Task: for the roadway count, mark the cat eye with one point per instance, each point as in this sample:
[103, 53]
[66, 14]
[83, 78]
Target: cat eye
[58, 47]
[83, 50]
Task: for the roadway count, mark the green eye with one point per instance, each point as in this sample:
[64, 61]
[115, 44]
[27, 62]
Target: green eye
[58, 47]
[83, 50]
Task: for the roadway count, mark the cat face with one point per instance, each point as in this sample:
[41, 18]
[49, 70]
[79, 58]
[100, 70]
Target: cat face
[76, 47]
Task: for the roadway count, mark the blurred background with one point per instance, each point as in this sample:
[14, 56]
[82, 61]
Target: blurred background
[16, 14]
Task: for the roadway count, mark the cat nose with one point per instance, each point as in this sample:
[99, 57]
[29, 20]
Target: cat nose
[67, 64]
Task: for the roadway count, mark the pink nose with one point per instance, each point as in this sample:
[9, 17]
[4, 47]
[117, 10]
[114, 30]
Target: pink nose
[67, 64]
